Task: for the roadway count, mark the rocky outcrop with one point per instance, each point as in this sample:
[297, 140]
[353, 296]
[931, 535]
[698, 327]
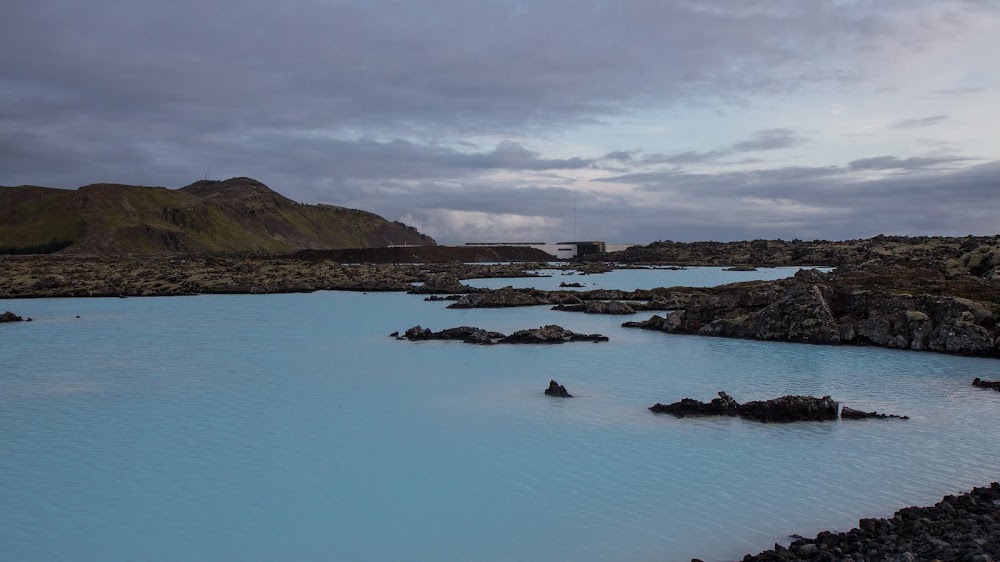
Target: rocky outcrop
[724, 405]
[572, 300]
[654, 323]
[852, 414]
[965, 527]
[599, 307]
[978, 256]
[550, 334]
[576, 285]
[557, 390]
[995, 385]
[437, 284]
[103, 276]
[467, 334]
[791, 409]
[786, 409]
[740, 268]
[505, 298]
[819, 309]
[10, 317]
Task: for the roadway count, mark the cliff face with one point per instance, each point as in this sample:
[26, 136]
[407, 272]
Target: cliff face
[823, 309]
[235, 215]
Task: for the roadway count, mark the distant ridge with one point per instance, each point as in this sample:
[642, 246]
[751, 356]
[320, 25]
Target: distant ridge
[234, 215]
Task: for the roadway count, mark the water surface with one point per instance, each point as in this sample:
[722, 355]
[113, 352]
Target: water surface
[290, 427]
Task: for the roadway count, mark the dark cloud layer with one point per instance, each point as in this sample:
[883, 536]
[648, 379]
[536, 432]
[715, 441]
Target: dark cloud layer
[371, 103]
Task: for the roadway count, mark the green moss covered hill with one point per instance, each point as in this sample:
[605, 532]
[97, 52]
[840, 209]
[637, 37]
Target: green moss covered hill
[235, 215]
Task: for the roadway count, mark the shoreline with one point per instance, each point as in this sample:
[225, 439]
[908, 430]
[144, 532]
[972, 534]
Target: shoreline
[896, 307]
[959, 527]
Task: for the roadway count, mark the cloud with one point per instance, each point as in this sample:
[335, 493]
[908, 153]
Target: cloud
[468, 111]
[764, 140]
[919, 122]
[769, 139]
[897, 163]
[473, 226]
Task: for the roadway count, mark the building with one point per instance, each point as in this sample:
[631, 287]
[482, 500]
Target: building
[562, 250]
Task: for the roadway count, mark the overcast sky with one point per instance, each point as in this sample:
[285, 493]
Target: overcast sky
[492, 120]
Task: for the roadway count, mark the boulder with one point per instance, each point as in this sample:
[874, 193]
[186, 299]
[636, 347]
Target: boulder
[557, 390]
[575, 285]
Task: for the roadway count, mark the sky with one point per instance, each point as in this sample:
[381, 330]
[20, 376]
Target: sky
[541, 120]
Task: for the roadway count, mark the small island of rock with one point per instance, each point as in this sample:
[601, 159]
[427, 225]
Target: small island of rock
[469, 334]
[557, 390]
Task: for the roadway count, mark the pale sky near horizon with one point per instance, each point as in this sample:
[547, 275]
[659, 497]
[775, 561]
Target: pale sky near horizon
[485, 120]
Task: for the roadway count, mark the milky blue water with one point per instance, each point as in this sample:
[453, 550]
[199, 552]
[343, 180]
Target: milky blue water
[633, 279]
[289, 427]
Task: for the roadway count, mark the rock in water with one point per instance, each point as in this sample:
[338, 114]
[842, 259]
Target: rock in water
[852, 414]
[995, 385]
[779, 410]
[10, 317]
[724, 405]
[550, 334]
[654, 323]
[791, 409]
[470, 334]
[557, 390]
[467, 334]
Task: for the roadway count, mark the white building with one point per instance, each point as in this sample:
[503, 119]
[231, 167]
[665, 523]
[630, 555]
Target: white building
[562, 250]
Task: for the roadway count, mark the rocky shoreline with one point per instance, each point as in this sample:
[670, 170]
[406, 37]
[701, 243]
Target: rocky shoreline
[845, 309]
[964, 527]
[898, 306]
[142, 276]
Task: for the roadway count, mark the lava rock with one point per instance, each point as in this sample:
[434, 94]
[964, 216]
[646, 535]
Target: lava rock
[467, 334]
[779, 410]
[852, 414]
[654, 323]
[557, 390]
[575, 285]
[724, 405]
[791, 409]
[10, 317]
[995, 385]
[550, 334]
[965, 527]
[470, 334]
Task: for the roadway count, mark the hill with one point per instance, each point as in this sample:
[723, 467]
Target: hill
[234, 215]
